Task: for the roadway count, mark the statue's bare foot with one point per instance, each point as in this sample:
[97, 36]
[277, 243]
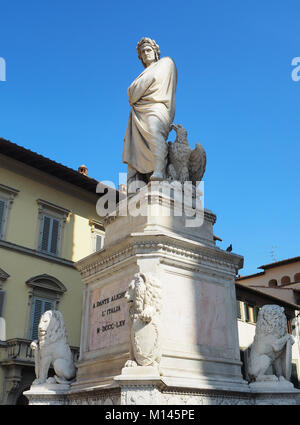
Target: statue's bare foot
[51, 380]
[130, 363]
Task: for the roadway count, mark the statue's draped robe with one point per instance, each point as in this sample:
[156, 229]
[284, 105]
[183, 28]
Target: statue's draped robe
[152, 97]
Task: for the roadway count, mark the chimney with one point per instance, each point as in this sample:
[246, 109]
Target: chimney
[123, 188]
[83, 170]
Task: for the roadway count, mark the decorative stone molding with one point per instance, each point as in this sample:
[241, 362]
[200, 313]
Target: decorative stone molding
[3, 275]
[96, 397]
[46, 282]
[46, 207]
[161, 245]
[44, 286]
[146, 393]
[96, 224]
[7, 194]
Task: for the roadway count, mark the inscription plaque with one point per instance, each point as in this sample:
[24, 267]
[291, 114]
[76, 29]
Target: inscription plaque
[109, 317]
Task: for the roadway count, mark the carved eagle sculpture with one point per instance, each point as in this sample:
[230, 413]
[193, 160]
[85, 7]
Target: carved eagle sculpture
[185, 164]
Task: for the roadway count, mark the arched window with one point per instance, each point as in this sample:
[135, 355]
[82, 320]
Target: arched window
[297, 277]
[273, 283]
[44, 294]
[285, 280]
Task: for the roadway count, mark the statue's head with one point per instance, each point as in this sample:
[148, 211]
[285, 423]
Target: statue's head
[148, 51]
[52, 326]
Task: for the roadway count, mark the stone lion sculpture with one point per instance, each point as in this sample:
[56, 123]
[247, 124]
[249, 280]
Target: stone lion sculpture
[271, 348]
[52, 348]
[144, 298]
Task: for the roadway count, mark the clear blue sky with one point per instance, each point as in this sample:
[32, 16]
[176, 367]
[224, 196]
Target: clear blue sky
[69, 64]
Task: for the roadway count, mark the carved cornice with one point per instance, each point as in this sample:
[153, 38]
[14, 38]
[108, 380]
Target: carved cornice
[45, 206]
[9, 191]
[159, 200]
[163, 246]
[45, 281]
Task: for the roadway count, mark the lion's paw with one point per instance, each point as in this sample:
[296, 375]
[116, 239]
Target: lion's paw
[130, 363]
[36, 382]
[283, 379]
[267, 378]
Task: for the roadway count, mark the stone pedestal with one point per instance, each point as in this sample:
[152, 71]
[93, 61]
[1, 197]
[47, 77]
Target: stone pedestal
[200, 349]
[274, 393]
[200, 363]
[48, 394]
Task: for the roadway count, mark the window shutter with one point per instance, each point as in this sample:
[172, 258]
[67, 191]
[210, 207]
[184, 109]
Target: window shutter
[39, 307]
[36, 315]
[2, 299]
[45, 233]
[54, 236]
[50, 234]
[238, 306]
[247, 316]
[48, 306]
[99, 241]
[2, 208]
[256, 311]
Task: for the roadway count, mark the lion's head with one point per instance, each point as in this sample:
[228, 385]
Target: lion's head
[143, 290]
[52, 327]
[271, 320]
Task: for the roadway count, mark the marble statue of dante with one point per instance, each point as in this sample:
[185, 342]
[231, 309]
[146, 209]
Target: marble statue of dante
[152, 100]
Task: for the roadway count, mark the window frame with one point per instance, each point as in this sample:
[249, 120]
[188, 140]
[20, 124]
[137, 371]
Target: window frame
[97, 229]
[239, 309]
[50, 236]
[46, 287]
[54, 212]
[7, 195]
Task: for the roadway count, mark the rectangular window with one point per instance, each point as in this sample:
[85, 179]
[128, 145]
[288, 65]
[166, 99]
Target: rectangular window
[2, 300]
[239, 311]
[250, 313]
[246, 312]
[50, 234]
[2, 215]
[39, 307]
[256, 310]
[99, 242]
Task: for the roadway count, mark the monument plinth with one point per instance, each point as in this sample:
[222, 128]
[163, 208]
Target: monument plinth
[196, 318]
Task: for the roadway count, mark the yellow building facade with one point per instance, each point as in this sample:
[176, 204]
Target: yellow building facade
[48, 221]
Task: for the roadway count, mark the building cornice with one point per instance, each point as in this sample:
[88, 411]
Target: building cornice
[35, 253]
